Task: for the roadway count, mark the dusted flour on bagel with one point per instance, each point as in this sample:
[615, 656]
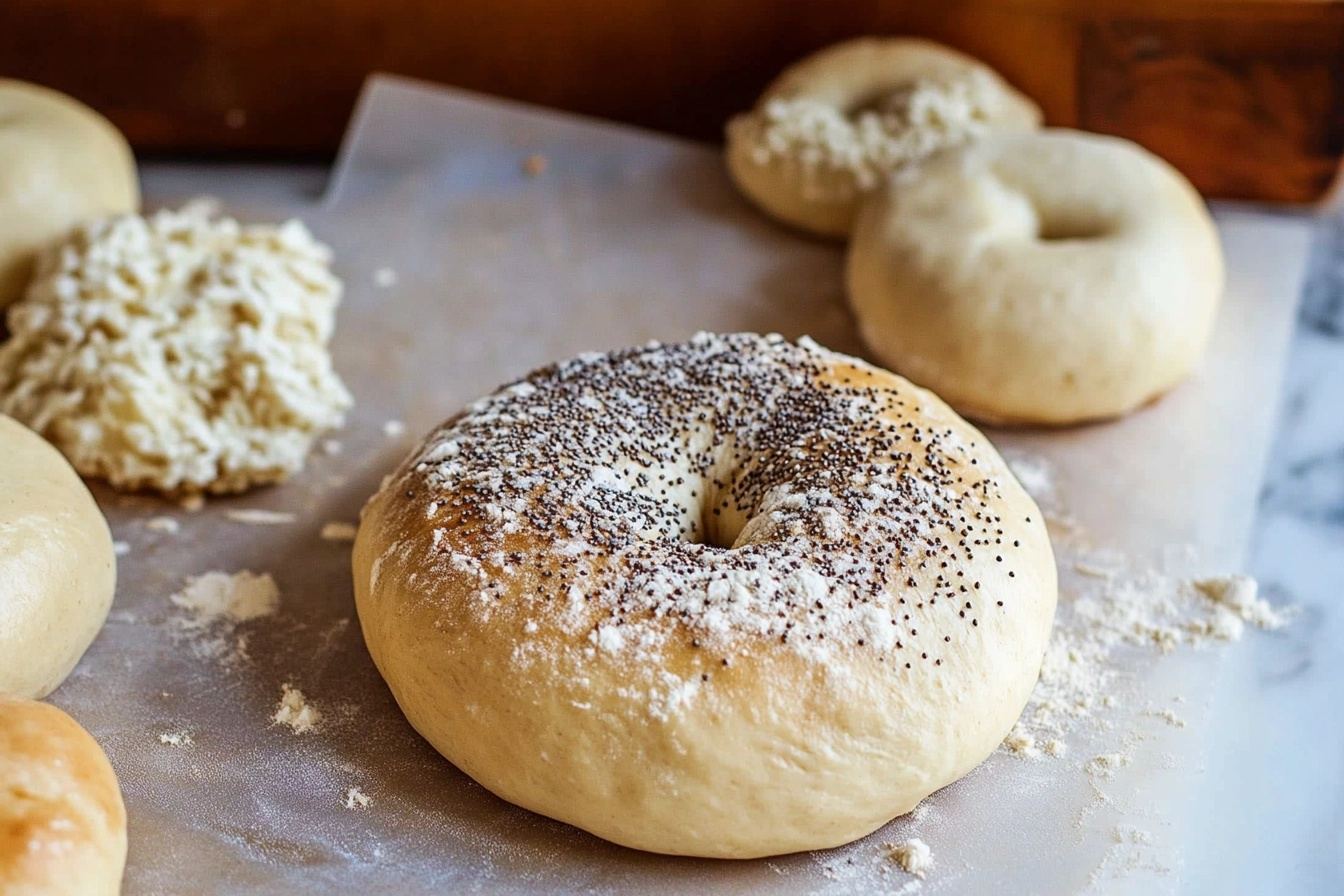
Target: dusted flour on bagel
[1052, 277]
[834, 126]
[730, 597]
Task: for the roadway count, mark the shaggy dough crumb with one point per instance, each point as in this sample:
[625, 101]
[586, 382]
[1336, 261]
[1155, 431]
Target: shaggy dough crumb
[295, 711]
[394, 428]
[178, 352]
[357, 799]
[913, 855]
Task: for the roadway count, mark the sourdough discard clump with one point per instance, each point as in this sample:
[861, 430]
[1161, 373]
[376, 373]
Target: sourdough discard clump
[179, 352]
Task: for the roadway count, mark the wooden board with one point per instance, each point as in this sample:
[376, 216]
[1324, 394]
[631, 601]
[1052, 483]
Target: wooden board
[1245, 96]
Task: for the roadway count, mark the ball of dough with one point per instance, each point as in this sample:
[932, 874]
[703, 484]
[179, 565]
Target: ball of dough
[61, 164]
[1045, 278]
[57, 567]
[180, 352]
[834, 126]
[62, 821]
[732, 597]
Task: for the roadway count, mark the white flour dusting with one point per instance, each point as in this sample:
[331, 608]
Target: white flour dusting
[216, 604]
[913, 855]
[357, 799]
[164, 525]
[257, 517]
[181, 738]
[219, 596]
[295, 711]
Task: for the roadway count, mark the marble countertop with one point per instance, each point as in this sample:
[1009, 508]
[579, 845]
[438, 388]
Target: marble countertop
[1277, 759]
[1274, 779]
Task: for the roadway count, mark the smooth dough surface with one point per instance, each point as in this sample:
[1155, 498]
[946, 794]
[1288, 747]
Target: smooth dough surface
[732, 597]
[61, 164]
[57, 568]
[834, 126]
[1052, 277]
[62, 821]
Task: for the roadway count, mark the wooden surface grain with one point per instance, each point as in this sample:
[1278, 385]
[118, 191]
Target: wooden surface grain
[1245, 96]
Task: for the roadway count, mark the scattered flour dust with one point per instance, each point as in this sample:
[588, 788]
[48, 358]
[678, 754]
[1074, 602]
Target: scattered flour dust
[164, 525]
[216, 604]
[295, 711]
[181, 738]
[1147, 611]
[913, 856]
[222, 597]
[357, 799]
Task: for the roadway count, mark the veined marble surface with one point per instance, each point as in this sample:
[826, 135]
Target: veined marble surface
[1275, 758]
[1276, 753]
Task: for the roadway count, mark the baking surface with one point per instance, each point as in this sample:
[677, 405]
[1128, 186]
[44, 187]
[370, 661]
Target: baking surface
[625, 237]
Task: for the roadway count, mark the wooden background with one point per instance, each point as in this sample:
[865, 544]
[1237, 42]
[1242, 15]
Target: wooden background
[1245, 96]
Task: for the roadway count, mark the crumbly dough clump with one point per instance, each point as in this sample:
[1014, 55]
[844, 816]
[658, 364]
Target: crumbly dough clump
[181, 352]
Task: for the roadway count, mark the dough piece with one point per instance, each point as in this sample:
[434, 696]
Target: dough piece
[178, 352]
[834, 126]
[1048, 278]
[57, 566]
[62, 821]
[61, 164]
[732, 597]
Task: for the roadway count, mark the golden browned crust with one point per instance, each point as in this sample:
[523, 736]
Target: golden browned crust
[62, 821]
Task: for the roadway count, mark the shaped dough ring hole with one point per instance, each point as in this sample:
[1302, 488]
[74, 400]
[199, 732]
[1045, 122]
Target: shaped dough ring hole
[1058, 228]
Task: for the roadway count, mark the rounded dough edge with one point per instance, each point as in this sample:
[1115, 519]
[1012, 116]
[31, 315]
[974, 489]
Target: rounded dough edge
[58, 570]
[61, 163]
[954, 285]
[786, 757]
[62, 819]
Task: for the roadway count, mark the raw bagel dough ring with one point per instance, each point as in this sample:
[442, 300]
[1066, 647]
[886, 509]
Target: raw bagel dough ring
[1053, 277]
[57, 567]
[733, 597]
[833, 126]
[61, 164]
[62, 821]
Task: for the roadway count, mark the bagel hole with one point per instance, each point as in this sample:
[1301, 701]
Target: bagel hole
[1058, 229]
[721, 529]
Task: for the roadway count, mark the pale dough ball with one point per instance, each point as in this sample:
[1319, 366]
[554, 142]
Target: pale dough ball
[180, 352]
[62, 821]
[61, 164]
[1051, 277]
[732, 597]
[57, 567]
[833, 127]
